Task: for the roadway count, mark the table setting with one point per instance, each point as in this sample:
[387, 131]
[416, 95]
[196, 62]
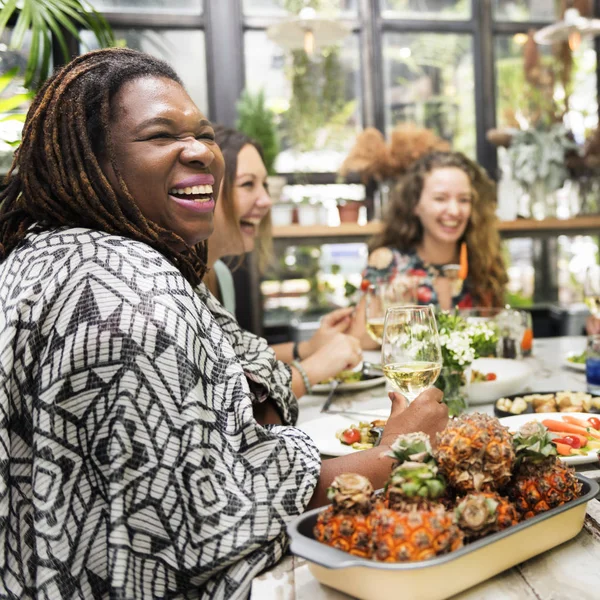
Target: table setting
[565, 568]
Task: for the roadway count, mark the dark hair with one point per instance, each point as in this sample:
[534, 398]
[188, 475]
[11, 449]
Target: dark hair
[56, 180]
[231, 142]
[403, 229]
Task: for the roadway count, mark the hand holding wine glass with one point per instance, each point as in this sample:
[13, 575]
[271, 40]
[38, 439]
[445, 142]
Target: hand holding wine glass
[411, 355]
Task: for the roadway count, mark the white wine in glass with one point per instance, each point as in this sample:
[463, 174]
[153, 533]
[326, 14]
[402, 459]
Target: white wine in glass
[411, 355]
[591, 289]
[375, 311]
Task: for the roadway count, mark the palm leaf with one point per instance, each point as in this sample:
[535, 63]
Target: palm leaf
[6, 78]
[45, 18]
[8, 104]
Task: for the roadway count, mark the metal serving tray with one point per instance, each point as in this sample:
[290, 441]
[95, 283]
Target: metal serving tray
[444, 576]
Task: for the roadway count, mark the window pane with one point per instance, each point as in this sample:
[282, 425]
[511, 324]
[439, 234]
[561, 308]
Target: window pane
[575, 255]
[426, 9]
[149, 6]
[167, 44]
[317, 101]
[282, 8]
[522, 103]
[526, 10]
[429, 80]
[518, 255]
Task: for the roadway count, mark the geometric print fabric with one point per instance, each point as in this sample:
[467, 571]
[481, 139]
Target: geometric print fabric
[130, 462]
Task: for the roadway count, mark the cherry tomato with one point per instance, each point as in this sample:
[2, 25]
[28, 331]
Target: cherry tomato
[594, 422]
[491, 377]
[364, 285]
[424, 294]
[350, 436]
[572, 441]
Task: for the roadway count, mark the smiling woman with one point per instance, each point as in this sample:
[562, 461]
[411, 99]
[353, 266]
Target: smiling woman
[133, 460]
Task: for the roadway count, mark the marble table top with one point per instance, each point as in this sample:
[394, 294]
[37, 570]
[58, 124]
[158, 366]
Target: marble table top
[571, 570]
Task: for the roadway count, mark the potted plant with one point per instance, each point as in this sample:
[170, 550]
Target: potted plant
[257, 121]
[349, 210]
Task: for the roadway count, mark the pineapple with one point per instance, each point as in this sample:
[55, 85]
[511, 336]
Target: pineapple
[483, 513]
[475, 453]
[346, 524]
[541, 481]
[410, 524]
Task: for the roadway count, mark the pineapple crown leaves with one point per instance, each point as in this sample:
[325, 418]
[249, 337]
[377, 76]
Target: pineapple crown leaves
[476, 511]
[351, 491]
[532, 442]
[417, 480]
[414, 447]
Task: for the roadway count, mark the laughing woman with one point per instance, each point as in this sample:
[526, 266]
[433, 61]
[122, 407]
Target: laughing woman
[132, 464]
[442, 212]
[243, 224]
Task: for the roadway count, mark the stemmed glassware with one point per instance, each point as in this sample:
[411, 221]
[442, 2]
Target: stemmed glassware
[591, 289]
[399, 291]
[411, 355]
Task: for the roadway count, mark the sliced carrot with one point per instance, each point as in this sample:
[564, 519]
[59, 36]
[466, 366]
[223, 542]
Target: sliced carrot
[463, 271]
[577, 421]
[563, 449]
[569, 428]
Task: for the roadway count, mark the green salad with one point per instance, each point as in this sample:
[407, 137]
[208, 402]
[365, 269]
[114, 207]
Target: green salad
[577, 358]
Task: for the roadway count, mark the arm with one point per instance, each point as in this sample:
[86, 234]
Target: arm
[337, 321]
[426, 413]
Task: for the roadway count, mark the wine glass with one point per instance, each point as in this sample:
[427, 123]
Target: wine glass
[591, 289]
[375, 311]
[411, 355]
[398, 291]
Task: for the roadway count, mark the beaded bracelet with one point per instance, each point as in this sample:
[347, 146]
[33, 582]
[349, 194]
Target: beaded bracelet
[303, 374]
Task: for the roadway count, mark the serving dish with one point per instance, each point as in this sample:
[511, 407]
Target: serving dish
[529, 411]
[444, 576]
[515, 421]
[512, 376]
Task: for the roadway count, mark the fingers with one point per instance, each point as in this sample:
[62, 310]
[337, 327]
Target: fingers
[399, 402]
[432, 395]
[339, 319]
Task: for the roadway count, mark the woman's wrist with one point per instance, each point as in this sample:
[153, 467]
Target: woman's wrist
[304, 349]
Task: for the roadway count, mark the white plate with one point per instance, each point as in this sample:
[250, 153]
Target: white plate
[512, 377]
[324, 388]
[571, 365]
[513, 423]
[323, 430]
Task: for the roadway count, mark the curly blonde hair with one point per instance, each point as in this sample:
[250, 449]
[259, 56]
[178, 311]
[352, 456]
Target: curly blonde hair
[403, 229]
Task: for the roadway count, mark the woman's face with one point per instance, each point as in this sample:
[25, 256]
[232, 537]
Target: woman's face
[445, 204]
[166, 154]
[251, 203]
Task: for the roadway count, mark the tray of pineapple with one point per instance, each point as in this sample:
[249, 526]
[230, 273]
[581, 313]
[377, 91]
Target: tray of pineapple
[481, 502]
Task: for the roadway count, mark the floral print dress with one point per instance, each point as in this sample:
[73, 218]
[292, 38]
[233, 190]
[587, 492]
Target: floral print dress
[387, 264]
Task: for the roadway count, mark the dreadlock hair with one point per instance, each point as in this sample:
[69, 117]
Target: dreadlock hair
[231, 142]
[403, 229]
[56, 180]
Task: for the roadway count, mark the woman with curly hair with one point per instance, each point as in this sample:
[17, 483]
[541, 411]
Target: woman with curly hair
[441, 213]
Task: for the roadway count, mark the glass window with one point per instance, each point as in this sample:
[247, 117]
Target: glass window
[317, 100]
[575, 255]
[426, 9]
[167, 44]
[526, 10]
[274, 8]
[429, 80]
[518, 257]
[149, 6]
[523, 101]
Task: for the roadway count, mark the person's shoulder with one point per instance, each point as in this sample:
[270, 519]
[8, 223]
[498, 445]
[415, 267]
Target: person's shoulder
[67, 256]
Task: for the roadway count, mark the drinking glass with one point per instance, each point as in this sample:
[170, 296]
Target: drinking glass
[399, 291]
[411, 356]
[592, 364]
[591, 289]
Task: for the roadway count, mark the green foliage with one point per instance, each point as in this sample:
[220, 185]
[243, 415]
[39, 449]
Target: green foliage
[17, 102]
[258, 122]
[538, 156]
[48, 18]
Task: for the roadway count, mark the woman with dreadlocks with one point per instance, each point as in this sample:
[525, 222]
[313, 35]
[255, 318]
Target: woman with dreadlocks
[132, 463]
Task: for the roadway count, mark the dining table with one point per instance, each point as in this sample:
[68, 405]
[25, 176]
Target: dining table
[570, 571]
